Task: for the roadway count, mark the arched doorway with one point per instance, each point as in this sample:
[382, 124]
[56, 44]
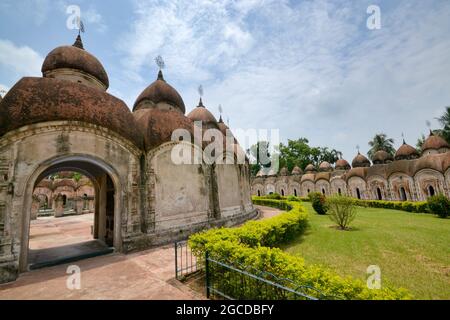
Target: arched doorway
[105, 228]
[339, 191]
[295, 192]
[259, 193]
[323, 191]
[431, 191]
[380, 197]
[282, 192]
[403, 194]
[358, 193]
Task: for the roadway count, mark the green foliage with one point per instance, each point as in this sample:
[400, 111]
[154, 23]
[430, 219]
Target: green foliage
[444, 120]
[252, 245]
[416, 207]
[299, 153]
[275, 195]
[381, 142]
[260, 156]
[440, 205]
[341, 210]
[318, 202]
[292, 198]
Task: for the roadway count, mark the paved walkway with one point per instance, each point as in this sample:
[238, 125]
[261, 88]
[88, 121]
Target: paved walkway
[144, 275]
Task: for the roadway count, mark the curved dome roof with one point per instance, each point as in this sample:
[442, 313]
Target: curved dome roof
[325, 166]
[310, 168]
[381, 156]
[158, 125]
[75, 57]
[434, 142]
[360, 172]
[222, 126]
[160, 91]
[342, 164]
[34, 100]
[360, 161]
[284, 171]
[406, 152]
[200, 113]
[297, 170]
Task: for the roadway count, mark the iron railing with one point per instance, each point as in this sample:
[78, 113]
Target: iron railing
[186, 263]
[224, 281]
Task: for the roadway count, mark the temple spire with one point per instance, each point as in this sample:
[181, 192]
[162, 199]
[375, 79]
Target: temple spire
[160, 75]
[78, 43]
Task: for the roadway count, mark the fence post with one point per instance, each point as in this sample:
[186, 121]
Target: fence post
[207, 274]
[176, 260]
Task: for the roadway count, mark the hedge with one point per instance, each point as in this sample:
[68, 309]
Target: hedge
[409, 206]
[253, 245]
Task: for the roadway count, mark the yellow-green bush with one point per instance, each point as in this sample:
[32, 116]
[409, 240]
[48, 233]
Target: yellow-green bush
[252, 245]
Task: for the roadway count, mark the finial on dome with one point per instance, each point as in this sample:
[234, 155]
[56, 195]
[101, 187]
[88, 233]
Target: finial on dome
[160, 75]
[431, 133]
[220, 119]
[200, 103]
[357, 148]
[78, 43]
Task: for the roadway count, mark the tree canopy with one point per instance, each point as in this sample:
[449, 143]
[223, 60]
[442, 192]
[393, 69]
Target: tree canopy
[381, 142]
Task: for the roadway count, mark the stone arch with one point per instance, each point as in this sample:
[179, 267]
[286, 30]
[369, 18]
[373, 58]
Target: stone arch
[323, 187]
[305, 186]
[378, 188]
[426, 180]
[397, 181]
[97, 170]
[357, 185]
[338, 186]
[294, 189]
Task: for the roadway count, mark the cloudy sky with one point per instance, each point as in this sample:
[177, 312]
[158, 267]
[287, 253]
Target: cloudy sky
[308, 68]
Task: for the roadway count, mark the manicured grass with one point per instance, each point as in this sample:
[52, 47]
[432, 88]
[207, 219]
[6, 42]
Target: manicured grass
[412, 250]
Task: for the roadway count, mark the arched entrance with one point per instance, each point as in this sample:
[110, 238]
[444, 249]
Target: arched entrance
[431, 191]
[358, 193]
[403, 194]
[380, 197]
[106, 224]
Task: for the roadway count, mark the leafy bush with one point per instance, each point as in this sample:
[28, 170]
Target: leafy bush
[252, 245]
[318, 202]
[417, 207]
[275, 196]
[440, 205]
[292, 198]
[341, 210]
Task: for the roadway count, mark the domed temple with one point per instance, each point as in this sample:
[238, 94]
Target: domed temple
[406, 176]
[65, 121]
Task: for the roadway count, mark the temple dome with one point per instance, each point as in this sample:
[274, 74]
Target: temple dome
[360, 161]
[382, 157]
[200, 113]
[284, 171]
[434, 142]
[36, 100]
[157, 125]
[74, 57]
[342, 164]
[297, 170]
[160, 91]
[406, 152]
[310, 168]
[325, 166]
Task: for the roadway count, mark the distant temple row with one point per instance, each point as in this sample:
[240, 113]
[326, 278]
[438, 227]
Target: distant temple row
[407, 176]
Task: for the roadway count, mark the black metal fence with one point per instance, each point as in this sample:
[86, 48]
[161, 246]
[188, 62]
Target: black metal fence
[224, 281]
[186, 263]
[237, 282]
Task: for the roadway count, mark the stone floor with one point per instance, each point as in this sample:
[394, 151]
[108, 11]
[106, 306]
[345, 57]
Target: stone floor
[144, 275]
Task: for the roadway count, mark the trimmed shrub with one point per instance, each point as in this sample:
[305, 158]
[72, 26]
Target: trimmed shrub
[440, 205]
[318, 202]
[275, 196]
[251, 245]
[341, 210]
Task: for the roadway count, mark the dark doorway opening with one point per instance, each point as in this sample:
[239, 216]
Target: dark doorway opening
[358, 193]
[431, 191]
[380, 197]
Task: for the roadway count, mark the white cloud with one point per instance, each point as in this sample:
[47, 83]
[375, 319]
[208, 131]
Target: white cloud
[310, 68]
[93, 18]
[21, 60]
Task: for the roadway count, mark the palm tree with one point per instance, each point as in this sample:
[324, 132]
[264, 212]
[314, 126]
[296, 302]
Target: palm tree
[381, 142]
[444, 120]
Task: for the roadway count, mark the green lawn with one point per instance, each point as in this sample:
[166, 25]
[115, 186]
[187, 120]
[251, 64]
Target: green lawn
[412, 250]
